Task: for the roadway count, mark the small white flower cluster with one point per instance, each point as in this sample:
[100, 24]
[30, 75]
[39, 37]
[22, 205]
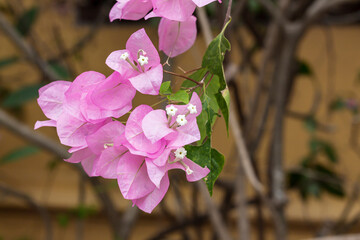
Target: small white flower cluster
[143, 60]
[124, 56]
[171, 110]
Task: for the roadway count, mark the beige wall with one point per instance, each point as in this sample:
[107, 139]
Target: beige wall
[58, 189]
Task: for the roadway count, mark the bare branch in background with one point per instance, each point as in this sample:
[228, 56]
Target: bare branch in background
[42, 211]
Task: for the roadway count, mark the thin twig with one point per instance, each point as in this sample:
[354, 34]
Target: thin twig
[42, 211]
[215, 216]
[32, 56]
[182, 76]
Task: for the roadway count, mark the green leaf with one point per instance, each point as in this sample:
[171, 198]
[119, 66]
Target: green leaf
[60, 70]
[63, 220]
[317, 145]
[206, 156]
[165, 88]
[337, 104]
[83, 211]
[214, 56]
[223, 100]
[18, 154]
[21, 96]
[180, 96]
[332, 183]
[8, 61]
[310, 124]
[304, 68]
[26, 20]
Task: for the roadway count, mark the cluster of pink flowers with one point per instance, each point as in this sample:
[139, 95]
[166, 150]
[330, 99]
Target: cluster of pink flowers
[177, 28]
[140, 153]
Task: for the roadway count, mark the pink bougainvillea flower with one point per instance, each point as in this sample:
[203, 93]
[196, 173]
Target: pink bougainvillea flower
[176, 37]
[80, 87]
[201, 3]
[51, 98]
[139, 62]
[72, 131]
[159, 177]
[130, 9]
[102, 144]
[177, 10]
[151, 200]
[179, 128]
[110, 98]
[137, 142]
[133, 179]
[92, 97]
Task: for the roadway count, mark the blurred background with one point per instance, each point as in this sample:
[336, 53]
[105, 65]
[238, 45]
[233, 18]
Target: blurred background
[294, 76]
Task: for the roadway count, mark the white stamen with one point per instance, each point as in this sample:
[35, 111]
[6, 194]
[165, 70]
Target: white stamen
[171, 110]
[106, 145]
[124, 56]
[192, 109]
[188, 170]
[180, 153]
[143, 60]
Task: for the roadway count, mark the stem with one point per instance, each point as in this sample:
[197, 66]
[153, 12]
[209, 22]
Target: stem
[182, 76]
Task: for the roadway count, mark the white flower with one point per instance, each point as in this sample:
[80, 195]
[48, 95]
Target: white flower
[181, 120]
[180, 153]
[192, 109]
[143, 60]
[188, 170]
[171, 110]
[124, 56]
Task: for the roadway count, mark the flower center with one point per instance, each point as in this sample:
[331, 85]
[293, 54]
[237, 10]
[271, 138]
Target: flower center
[181, 120]
[107, 145]
[143, 60]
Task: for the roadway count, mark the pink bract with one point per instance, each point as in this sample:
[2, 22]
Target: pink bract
[176, 37]
[130, 9]
[146, 75]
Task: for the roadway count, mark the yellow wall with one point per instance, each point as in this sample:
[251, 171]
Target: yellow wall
[58, 189]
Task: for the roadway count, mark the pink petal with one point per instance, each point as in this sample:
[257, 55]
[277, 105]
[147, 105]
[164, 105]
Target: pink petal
[134, 132]
[176, 37]
[51, 98]
[155, 172]
[114, 93]
[48, 123]
[87, 159]
[133, 179]
[155, 125]
[72, 131]
[140, 40]
[163, 158]
[130, 9]
[115, 62]
[148, 82]
[150, 201]
[201, 3]
[186, 134]
[83, 84]
[198, 171]
[177, 10]
[106, 166]
[105, 134]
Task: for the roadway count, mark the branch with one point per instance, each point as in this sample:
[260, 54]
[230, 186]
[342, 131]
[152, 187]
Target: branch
[321, 6]
[32, 56]
[273, 10]
[43, 142]
[205, 25]
[42, 211]
[214, 213]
